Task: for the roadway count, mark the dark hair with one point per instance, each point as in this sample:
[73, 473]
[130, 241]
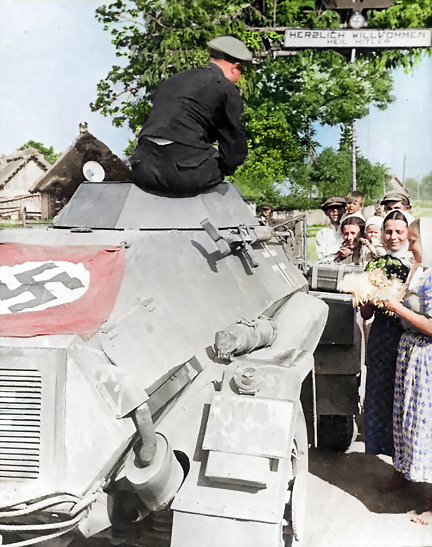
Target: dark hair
[395, 214]
[357, 221]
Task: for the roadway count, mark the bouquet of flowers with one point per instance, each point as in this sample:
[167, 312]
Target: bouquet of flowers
[373, 286]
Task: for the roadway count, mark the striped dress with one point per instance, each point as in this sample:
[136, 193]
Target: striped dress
[412, 416]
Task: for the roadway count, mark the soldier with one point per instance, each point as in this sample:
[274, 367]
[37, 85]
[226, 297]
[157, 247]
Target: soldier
[191, 111]
[266, 215]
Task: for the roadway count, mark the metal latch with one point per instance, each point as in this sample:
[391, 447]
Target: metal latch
[238, 240]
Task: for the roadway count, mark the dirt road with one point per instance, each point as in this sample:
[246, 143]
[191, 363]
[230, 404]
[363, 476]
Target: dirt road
[345, 510]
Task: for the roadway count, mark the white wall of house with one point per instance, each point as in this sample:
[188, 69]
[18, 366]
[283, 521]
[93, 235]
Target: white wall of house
[23, 180]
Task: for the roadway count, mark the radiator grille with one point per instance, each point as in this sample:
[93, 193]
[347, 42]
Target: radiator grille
[20, 423]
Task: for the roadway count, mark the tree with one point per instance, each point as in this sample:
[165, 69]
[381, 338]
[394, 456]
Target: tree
[49, 153]
[426, 187]
[330, 176]
[158, 38]
[412, 185]
[272, 149]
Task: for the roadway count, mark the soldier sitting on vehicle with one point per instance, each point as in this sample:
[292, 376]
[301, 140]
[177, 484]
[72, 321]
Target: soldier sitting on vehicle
[191, 111]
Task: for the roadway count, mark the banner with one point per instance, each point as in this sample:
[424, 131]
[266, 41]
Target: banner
[57, 290]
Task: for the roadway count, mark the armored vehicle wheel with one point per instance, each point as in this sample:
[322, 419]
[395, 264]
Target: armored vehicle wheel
[336, 432]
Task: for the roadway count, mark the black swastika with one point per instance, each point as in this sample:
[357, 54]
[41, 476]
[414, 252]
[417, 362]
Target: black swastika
[37, 288]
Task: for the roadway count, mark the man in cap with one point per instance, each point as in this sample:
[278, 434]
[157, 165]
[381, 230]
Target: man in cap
[191, 111]
[265, 216]
[397, 200]
[329, 240]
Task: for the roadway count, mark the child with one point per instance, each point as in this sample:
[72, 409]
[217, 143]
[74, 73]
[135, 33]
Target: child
[354, 202]
[372, 244]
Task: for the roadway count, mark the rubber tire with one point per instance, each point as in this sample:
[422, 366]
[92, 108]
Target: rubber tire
[336, 432]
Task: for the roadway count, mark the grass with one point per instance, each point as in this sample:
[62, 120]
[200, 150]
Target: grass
[18, 223]
[422, 209]
[312, 229]
[311, 241]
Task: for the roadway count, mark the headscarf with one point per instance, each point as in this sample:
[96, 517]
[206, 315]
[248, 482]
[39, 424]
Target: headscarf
[420, 271]
[402, 253]
[374, 221]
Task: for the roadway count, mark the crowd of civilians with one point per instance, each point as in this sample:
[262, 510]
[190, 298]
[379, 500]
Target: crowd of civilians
[398, 396]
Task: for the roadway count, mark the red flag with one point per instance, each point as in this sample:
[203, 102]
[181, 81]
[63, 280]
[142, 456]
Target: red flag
[57, 290]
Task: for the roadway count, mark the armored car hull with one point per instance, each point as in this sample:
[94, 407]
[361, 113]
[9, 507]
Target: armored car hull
[152, 353]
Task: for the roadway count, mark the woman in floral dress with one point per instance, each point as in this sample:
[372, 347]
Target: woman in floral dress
[383, 340]
[412, 414]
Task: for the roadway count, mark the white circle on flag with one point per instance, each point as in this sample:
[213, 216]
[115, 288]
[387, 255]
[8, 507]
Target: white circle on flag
[35, 286]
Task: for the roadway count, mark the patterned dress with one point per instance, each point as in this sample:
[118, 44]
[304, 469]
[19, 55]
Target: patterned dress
[381, 355]
[412, 415]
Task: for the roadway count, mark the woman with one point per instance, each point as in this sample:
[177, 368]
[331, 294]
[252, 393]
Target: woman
[412, 416]
[383, 340]
[353, 232]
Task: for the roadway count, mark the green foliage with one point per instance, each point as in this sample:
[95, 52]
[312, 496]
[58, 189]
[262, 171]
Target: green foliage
[402, 14]
[420, 189]
[130, 147]
[272, 149]
[284, 97]
[426, 186]
[48, 153]
[156, 39]
[330, 175]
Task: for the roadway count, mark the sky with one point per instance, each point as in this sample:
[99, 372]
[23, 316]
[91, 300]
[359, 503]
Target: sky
[54, 52]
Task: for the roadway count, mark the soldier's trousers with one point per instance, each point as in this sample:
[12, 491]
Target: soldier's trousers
[174, 168]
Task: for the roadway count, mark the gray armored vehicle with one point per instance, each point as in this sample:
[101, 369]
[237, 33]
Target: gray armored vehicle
[152, 354]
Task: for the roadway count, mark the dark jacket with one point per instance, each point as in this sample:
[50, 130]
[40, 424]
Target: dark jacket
[197, 108]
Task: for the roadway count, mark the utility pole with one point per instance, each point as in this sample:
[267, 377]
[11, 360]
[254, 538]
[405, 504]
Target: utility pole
[354, 38]
[354, 140]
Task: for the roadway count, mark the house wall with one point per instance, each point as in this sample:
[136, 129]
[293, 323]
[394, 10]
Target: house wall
[45, 205]
[316, 216]
[13, 207]
[23, 180]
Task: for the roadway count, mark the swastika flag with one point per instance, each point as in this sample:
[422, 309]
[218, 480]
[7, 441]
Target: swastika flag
[57, 290]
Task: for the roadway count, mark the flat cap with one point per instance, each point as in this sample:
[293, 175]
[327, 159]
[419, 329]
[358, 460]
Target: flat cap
[232, 47]
[333, 202]
[394, 195]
